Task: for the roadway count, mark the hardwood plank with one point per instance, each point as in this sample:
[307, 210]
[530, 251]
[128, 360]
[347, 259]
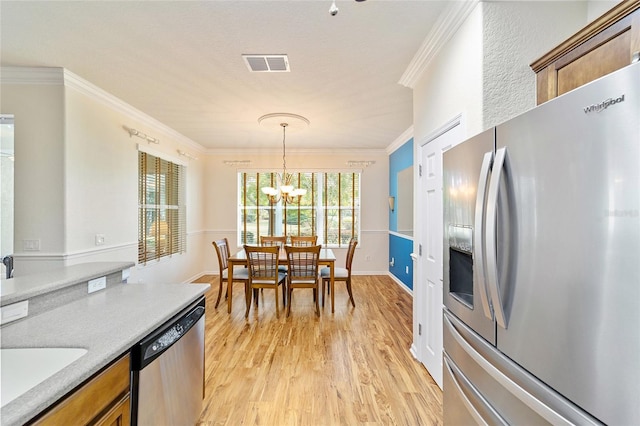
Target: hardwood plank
[350, 367]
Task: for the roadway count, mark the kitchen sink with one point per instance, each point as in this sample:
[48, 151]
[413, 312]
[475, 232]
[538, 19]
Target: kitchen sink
[21, 369]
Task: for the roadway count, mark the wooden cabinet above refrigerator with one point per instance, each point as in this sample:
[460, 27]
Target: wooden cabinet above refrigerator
[610, 42]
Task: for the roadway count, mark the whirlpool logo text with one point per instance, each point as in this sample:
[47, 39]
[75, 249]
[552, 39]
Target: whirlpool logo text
[603, 105]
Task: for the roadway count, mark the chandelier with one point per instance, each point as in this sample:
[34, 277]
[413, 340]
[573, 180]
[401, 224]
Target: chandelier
[284, 189]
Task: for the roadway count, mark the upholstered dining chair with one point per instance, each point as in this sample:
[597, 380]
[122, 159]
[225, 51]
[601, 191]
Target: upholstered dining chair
[264, 273]
[304, 240]
[239, 274]
[302, 263]
[341, 274]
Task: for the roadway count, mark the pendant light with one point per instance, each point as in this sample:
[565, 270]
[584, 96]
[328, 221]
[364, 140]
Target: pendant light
[284, 189]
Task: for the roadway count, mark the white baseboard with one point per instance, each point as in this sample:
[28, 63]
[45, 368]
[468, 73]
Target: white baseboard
[369, 272]
[414, 351]
[400, 283]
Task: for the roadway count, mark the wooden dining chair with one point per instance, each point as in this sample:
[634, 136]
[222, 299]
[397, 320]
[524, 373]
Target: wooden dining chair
[304, 240]
[269, 240]
[302, 263]
[264, 273]
[239, 274]
[341, 274]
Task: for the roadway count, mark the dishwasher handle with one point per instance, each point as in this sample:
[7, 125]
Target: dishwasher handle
[152, 346]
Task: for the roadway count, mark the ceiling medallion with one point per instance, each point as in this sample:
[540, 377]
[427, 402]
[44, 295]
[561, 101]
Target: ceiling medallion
[274, 120]
[284, 189]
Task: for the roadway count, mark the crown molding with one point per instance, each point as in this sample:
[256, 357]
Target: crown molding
[400, 140]
[83, 86]
[61, 76]
[448, 23]
[32, 75]
[458, 120]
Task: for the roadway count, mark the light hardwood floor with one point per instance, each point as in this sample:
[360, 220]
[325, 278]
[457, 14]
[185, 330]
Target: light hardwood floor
[350, 367]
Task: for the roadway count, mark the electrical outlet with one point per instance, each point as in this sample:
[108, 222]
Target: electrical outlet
[97, 284]
[31, 245]
[368, 257]
[406, 269]
[99, 239]
[14, 311]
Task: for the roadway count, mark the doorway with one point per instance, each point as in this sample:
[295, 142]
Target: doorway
[7, 159]
[429, 235]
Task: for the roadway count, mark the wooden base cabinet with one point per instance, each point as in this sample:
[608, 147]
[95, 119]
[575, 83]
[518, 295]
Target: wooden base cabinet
[119, 415]
[606, 45]
[103, 400]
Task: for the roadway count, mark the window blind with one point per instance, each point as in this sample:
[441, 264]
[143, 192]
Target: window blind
[161, 208]
[330, 209]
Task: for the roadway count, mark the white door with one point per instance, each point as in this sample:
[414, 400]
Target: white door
[430, 246]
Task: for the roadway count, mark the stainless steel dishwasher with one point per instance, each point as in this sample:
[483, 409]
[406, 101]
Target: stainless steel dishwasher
[167, 371]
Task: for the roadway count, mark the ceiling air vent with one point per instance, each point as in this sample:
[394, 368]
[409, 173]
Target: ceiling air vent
[267, 63]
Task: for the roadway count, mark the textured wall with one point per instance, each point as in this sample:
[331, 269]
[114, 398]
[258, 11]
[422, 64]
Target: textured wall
[514, 35]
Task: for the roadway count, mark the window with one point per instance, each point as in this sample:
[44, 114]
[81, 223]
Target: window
[161, 208]
[330, 209]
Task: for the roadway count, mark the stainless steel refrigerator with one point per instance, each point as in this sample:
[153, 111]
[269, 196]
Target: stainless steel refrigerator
[542, 263]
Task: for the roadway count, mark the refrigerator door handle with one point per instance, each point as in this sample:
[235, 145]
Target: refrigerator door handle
[454, 374]
[490, 237]
[480, 235]
[514, 388]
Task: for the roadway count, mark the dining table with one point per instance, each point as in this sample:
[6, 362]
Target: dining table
[327, 258]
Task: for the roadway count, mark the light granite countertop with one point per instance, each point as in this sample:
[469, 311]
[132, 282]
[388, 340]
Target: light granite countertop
[106, 323]
[28, 286]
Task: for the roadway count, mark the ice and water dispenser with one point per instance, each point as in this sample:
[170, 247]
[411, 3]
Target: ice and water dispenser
[461, 264]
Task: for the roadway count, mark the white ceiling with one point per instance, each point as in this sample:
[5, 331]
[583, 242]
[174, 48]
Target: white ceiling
[180, 62]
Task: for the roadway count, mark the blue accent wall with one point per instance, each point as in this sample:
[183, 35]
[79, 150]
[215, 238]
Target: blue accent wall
[400, 248]
[400, 251]
[399, 160]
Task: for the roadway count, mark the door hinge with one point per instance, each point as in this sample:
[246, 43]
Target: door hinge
[419, 329]
[420, 170]
[419, 249]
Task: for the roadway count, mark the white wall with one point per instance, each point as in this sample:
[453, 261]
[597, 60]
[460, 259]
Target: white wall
[483, 72]
[77, 174]
[102, 167]
[39, 171]
[452, 84]
[222, 201]
[77, 177]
